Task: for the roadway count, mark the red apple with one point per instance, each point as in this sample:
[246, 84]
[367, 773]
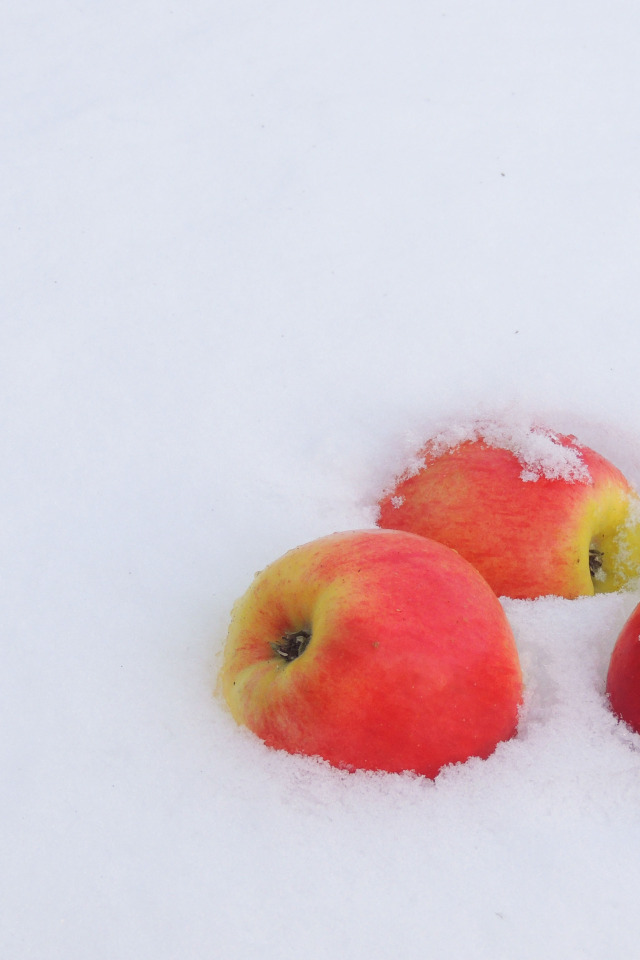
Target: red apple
[565, 524]
[376, 650]
[623, 678]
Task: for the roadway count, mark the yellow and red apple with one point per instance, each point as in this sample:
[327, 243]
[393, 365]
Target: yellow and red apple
[378, 650]
[529, 531]
[623, 677]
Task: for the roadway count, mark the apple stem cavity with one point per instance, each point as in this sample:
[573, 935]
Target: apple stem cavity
[595, 561]
[292, 645]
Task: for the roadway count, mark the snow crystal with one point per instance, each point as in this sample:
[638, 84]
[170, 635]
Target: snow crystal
[539, 450]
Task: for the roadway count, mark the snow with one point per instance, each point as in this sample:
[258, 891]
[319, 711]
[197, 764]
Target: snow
[540, 451]
[253, 256]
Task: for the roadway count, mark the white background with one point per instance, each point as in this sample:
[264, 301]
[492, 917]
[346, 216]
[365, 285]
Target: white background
[251, 253]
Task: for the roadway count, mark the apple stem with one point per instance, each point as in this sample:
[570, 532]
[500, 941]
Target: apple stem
[292, 645]
[595, 561]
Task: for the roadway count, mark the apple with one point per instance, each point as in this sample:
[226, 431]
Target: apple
[374, 649]
[623, 677]
[536, 516]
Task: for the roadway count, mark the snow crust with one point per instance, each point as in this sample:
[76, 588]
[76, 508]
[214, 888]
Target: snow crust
[253, 255]
[541, 452]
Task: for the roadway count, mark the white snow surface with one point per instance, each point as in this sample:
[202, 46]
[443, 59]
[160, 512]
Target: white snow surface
[253, 256]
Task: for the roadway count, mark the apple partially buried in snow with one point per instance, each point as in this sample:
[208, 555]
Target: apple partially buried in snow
[623, 678]
[374, 649]
[540, 516]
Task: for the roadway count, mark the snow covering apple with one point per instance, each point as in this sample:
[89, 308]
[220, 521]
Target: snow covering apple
[378, 650]
[536, 512]
[623, 677]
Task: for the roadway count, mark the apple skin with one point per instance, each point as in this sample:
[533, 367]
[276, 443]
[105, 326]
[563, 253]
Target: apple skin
[528, 538]
[411, 664]
[623, 677]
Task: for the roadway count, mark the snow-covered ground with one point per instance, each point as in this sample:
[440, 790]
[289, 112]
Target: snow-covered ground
[252, 253]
